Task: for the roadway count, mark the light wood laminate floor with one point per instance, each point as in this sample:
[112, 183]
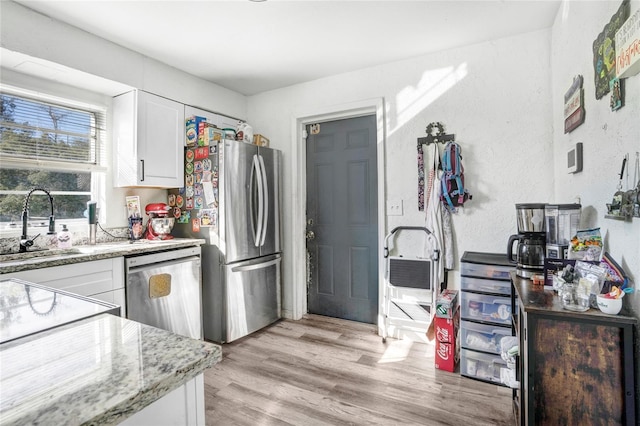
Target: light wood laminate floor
[325, 371]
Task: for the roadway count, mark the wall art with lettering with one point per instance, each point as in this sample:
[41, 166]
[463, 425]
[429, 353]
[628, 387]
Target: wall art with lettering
[574, 105]
[604, 51]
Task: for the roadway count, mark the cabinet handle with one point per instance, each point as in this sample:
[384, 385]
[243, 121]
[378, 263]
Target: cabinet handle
[141, 170]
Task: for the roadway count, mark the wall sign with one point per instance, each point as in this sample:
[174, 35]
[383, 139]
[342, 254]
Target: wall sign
[604, 51]
[574, 105]
[628, 47]
[617, 94]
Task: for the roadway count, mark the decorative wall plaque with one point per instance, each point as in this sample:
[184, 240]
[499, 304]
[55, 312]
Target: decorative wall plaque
[604, 50]
[628, 47]
[574, 105]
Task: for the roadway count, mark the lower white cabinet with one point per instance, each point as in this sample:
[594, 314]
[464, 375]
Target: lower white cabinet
[181, 407]
[100, 279]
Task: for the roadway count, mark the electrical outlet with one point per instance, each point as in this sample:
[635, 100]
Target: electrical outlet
[394, 208]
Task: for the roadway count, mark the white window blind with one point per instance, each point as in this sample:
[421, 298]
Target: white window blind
[51, 143]
[45, 134]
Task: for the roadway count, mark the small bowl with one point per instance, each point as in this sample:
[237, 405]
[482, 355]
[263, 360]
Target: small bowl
[609, 306]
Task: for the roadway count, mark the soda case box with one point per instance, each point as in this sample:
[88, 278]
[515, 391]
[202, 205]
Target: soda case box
[192, 129]
[446, 303]
[447, 342]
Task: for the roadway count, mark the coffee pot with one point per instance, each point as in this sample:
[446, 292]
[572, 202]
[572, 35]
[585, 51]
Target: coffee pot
[530, 251]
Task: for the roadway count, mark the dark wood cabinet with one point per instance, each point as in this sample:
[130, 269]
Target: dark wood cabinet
[574, 367]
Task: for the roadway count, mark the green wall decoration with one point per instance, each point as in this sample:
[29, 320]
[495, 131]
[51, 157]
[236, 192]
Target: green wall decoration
[604, 50]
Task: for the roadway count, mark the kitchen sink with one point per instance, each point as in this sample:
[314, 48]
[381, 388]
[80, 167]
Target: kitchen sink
[13, 256]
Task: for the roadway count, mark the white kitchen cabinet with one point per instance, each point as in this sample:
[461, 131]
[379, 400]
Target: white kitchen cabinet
[182, 406]
[148, 135]
[100, 279]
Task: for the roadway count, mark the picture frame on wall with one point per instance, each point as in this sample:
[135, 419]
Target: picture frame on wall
[604, 50]
[574, 105]
[617, 93]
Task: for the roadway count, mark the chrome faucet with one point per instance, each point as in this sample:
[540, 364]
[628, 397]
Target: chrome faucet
[25, 242]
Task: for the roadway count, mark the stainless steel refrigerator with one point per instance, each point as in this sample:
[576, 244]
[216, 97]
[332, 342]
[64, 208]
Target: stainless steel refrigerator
[231, 198]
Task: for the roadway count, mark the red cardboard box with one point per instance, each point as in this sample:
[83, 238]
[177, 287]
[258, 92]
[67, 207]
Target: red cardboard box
[447, 303]
[447, 342]
[445, 356]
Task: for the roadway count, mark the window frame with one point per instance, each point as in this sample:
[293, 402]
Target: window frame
[98, 170]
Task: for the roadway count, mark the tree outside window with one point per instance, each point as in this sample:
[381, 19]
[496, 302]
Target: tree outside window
[47, 146]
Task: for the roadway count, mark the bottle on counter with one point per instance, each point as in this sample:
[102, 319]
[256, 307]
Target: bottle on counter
[64, 238]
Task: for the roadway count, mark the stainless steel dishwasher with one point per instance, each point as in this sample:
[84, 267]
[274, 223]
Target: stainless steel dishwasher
[165, 290]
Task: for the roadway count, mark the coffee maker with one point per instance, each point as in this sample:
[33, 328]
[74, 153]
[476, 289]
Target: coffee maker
[561, 221]
[530, 252]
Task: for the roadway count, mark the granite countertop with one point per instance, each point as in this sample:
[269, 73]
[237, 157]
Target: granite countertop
[100, 370]
[537, 299]
[16, 262]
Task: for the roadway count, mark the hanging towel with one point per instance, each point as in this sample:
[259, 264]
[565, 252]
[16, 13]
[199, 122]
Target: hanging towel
[433, 209]
[447, 248]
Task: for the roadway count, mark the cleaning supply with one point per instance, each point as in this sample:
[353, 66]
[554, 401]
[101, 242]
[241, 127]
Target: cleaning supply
[64, 238]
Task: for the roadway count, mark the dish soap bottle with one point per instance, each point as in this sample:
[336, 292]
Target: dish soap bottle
[64, 238]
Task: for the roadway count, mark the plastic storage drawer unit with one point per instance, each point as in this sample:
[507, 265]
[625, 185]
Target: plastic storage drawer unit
[487, 308]
[485, 271]
[481, 366]
[482, 337]
[485, 286]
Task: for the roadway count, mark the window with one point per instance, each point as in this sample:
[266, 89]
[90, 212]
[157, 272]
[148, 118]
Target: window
[47, 143]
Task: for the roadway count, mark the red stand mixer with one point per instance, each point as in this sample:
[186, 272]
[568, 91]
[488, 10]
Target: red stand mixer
[159, 224]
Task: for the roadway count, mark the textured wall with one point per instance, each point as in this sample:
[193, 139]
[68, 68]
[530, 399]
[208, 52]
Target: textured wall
[494, 96]
[606, 136]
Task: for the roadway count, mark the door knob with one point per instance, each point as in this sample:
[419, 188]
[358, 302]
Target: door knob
[310, 235]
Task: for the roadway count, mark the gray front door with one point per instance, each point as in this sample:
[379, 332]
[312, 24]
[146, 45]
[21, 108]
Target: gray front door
[342, 219]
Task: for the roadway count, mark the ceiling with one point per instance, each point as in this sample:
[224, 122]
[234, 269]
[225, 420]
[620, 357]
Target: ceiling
[251, 47]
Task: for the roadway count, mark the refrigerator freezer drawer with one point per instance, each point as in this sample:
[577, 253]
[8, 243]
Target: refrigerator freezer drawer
[253, 295]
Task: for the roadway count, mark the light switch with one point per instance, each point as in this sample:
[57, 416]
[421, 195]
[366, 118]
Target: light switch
[394, 208]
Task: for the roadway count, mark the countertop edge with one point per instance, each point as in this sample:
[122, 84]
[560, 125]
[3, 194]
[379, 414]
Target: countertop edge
[170, 376]
[96, 253]
[544, 302]
[146, 397]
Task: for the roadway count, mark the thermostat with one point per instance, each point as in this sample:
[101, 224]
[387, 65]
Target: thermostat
[574, 158]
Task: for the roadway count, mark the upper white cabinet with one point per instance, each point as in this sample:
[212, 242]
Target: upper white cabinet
[148, 135]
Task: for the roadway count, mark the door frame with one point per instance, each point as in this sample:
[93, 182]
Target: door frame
[299, 172]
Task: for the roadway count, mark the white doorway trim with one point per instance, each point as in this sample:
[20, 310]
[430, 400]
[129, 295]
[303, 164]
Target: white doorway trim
[299, 179]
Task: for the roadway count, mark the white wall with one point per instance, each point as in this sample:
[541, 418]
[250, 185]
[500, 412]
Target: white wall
[27, 32]
[495, 97]
[606, 136]
[32, 33]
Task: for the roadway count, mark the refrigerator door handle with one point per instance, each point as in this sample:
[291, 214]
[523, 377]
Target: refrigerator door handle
[257, 175]
[255, 266]
[252, 209]
[266, 200]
